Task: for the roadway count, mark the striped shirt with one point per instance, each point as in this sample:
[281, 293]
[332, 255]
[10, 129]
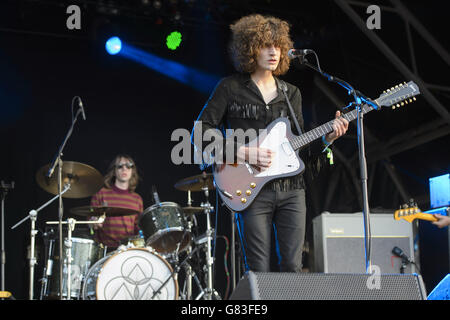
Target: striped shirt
[116, 229]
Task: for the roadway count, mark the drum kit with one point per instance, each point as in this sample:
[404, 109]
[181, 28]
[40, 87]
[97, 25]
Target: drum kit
[145, 267]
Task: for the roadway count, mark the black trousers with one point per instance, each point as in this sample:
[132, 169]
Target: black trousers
[287, 211]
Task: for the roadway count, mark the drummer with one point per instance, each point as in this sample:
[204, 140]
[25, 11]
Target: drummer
[120, 184]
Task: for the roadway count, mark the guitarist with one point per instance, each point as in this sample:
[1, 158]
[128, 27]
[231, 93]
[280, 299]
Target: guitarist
[252, 99]
[442, 221]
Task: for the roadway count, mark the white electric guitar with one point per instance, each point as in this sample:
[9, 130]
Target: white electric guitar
[239, 184]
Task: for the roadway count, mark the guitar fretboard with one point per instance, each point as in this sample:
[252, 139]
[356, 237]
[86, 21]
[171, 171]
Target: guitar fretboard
[316, 133]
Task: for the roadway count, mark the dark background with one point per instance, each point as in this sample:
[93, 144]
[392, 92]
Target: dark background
[132, 109]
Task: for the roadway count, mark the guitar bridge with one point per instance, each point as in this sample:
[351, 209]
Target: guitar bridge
[225, 193]
[249, 168]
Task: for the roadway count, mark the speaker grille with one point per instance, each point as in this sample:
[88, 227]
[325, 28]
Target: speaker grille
[328, 286]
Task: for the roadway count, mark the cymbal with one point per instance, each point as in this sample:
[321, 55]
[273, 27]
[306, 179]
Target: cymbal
[84, 180]
[196, 183]
[192, 210]
[88, 211]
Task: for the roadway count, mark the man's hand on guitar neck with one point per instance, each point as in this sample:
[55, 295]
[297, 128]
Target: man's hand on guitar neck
[442, 221]
[340, 127]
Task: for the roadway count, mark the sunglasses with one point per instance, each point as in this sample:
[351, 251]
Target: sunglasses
[123, 165]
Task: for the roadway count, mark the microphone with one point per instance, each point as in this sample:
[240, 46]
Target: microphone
[155, 195]
[399, 253]
[80, 104]
[298, 53]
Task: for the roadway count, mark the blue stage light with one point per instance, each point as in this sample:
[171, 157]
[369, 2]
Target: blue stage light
[113, 45]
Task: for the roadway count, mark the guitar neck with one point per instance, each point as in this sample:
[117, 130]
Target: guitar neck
[314, 134]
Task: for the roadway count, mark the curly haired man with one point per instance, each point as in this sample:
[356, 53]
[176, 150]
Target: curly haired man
[251, 99]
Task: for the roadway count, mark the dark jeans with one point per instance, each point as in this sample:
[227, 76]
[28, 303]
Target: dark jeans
[287, 210]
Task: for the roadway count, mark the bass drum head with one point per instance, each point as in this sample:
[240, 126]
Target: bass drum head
[133, 274]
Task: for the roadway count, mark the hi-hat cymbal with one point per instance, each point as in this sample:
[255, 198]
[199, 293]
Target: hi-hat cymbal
[192, 210]
[84, 180]
[88, 211]
[196, 183]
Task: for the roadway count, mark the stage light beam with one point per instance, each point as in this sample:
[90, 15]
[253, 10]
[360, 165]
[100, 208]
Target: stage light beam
[197, 79]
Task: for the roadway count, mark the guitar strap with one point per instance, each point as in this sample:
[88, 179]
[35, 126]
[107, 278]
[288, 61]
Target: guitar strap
[283, 87]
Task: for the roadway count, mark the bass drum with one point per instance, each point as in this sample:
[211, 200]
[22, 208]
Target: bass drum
[131, 274]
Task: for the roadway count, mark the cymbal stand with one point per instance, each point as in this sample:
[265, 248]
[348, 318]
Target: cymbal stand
[68, 245]
[209, 259]
[188, 268]
[32, 215]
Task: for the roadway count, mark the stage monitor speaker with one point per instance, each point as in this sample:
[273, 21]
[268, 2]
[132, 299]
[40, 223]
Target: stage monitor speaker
[339, 243]
[328, 286]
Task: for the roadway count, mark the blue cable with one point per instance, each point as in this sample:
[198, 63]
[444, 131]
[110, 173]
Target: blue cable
[237, 215]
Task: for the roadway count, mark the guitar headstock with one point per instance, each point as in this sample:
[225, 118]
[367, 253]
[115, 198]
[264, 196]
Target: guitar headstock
[408, 213]
[411, 213]
[399, 95]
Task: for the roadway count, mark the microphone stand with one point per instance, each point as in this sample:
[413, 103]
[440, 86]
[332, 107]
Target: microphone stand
[359, 99]
[58, 162]
[4, 188]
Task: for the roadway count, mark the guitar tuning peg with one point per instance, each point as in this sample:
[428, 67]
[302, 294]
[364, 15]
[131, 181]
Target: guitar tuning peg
[392, 88]
[406, 101]
[410, 100]
[402, 103]
[414, 98]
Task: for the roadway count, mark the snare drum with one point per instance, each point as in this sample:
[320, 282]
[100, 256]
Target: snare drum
[163, 226]
[85, 252]
[130, 274]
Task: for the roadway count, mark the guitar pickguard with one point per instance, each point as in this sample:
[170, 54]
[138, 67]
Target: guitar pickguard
[285, 160]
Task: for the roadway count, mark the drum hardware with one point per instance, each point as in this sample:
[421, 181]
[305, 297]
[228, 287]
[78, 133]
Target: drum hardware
[47, 271]
[32, 215]
[175, 272]
[203, 182]
[209, 291]
[68, 245]
[84, 179]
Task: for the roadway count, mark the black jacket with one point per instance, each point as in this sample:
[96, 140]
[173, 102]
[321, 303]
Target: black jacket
[237, 103]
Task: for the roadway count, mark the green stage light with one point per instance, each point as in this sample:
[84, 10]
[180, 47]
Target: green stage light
[173, 40]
